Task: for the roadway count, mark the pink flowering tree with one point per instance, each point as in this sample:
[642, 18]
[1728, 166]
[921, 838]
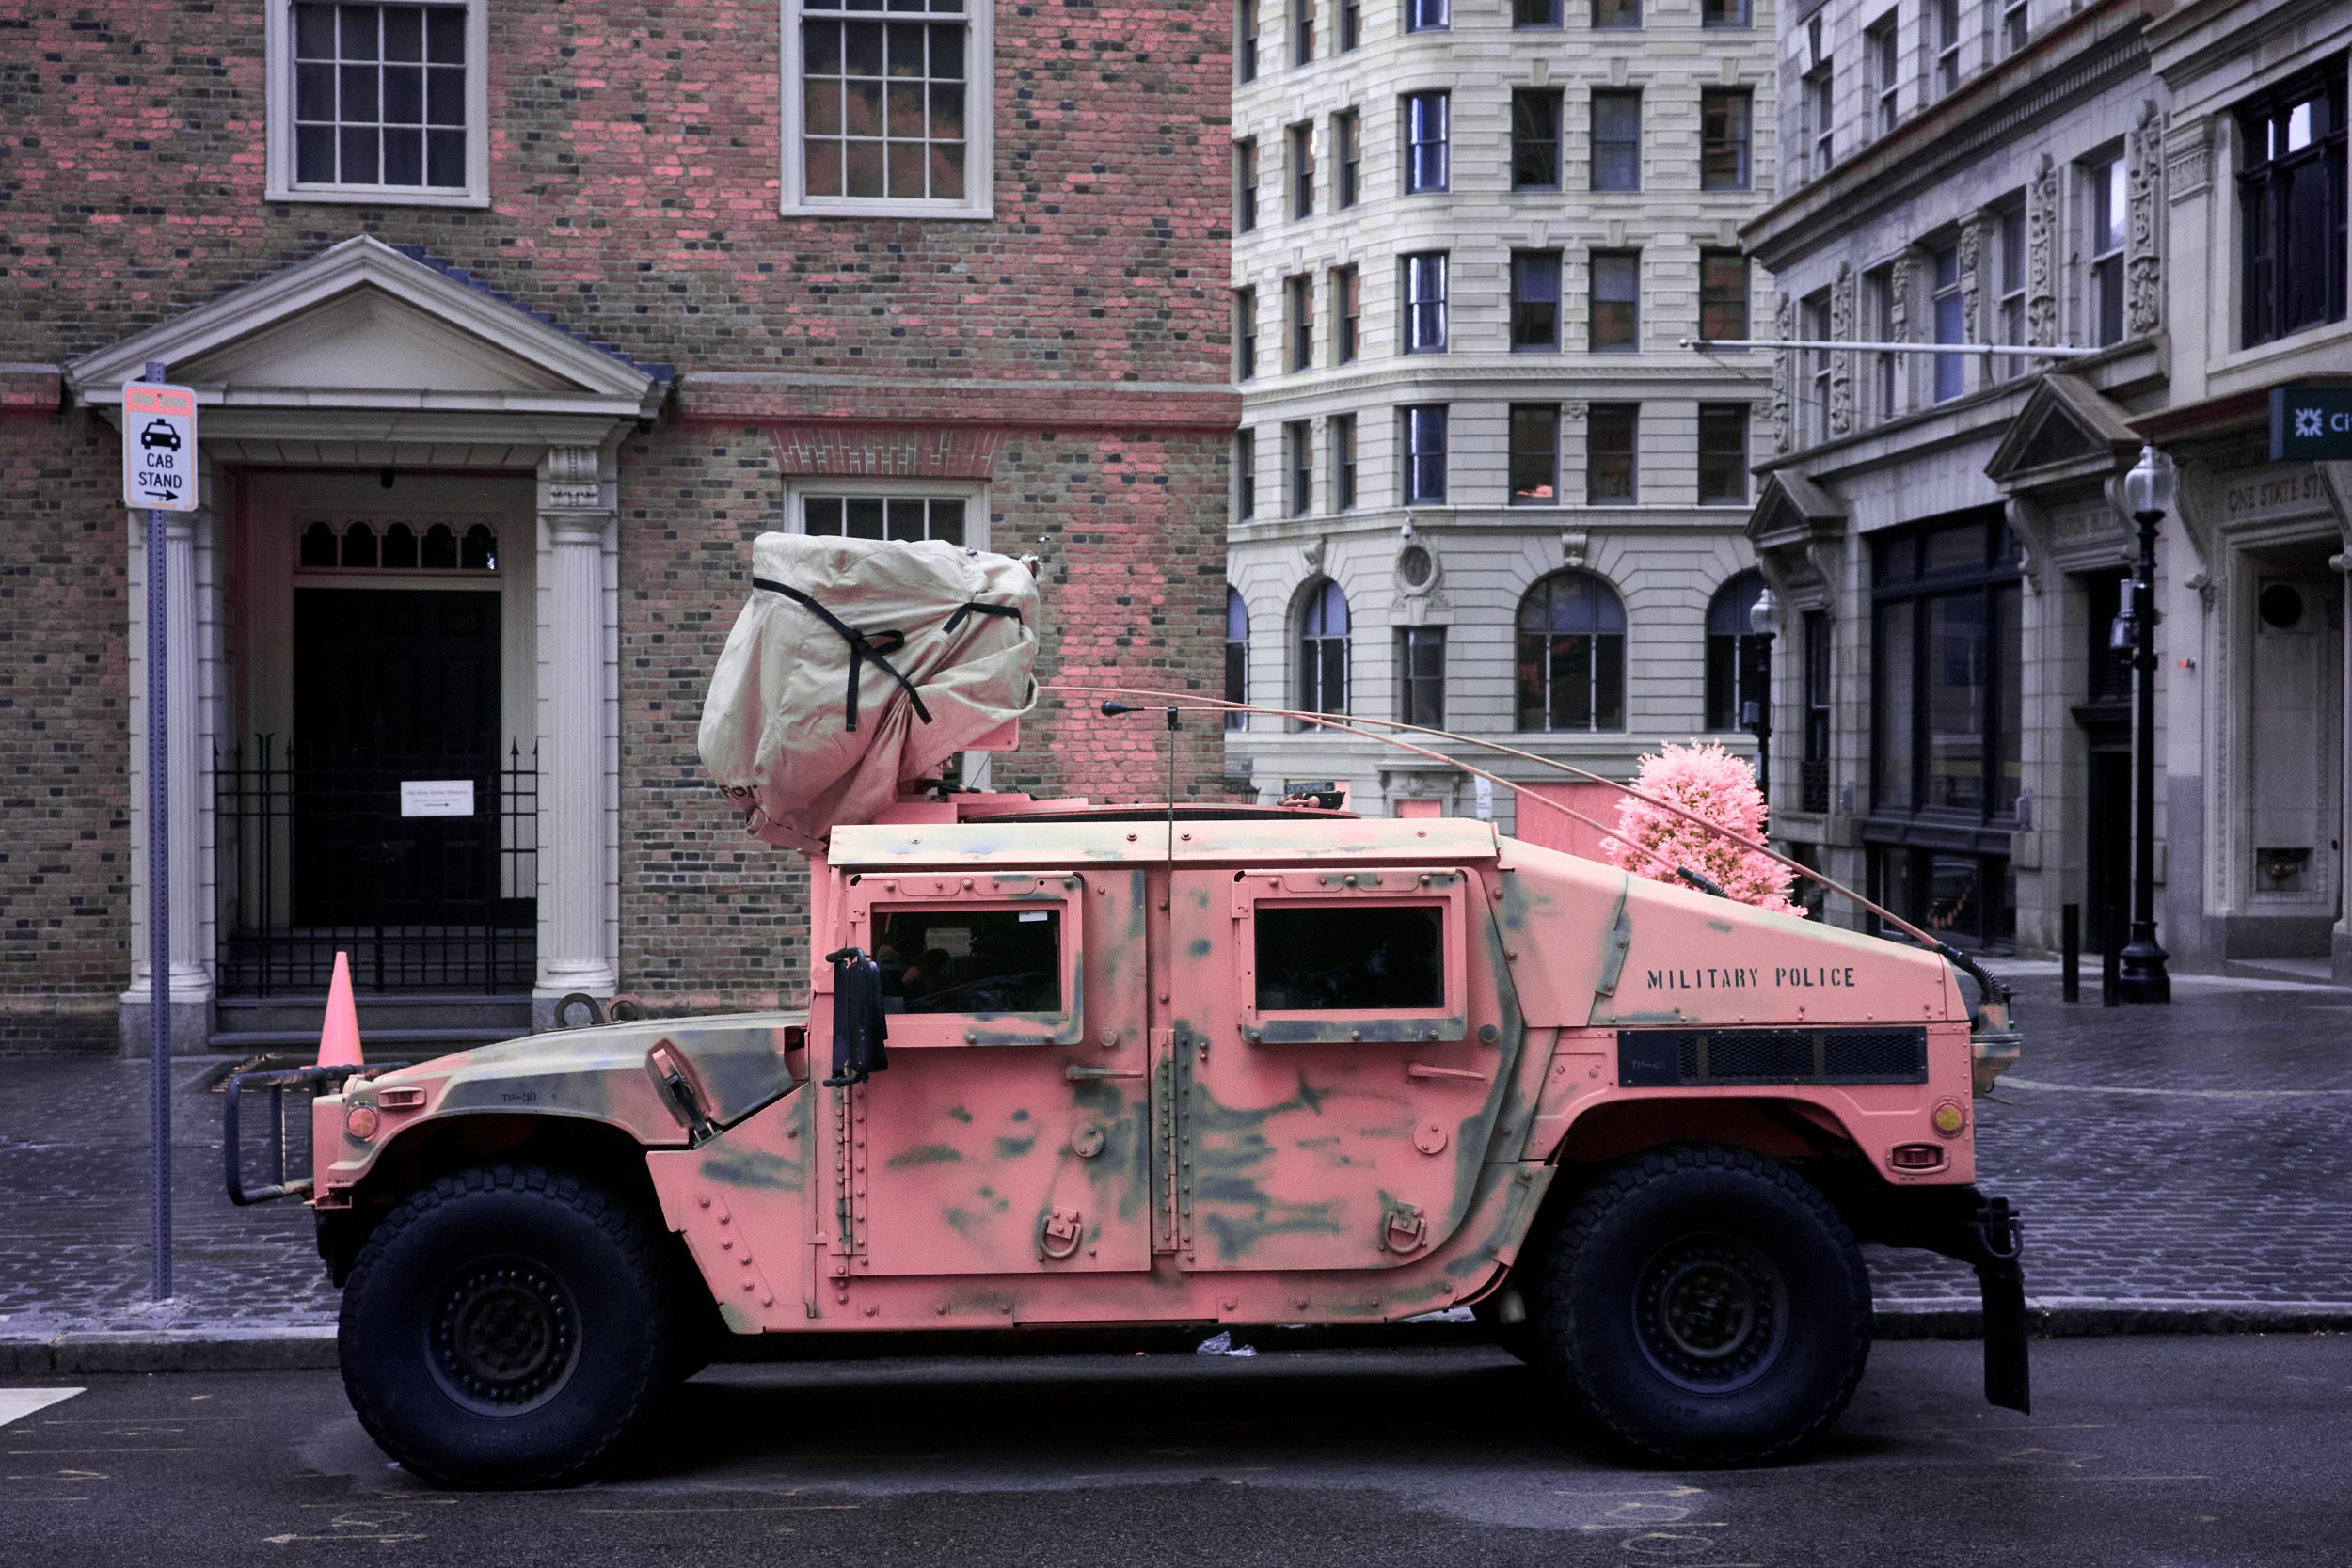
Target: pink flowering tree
[1707, 782]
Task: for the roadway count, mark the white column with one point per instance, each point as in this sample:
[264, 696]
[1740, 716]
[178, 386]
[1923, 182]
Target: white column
[576, 514]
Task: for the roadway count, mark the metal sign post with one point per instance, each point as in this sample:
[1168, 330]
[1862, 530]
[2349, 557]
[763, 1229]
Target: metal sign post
[158, 473]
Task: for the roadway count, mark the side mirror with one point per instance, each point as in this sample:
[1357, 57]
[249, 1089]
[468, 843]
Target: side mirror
[860, 1029]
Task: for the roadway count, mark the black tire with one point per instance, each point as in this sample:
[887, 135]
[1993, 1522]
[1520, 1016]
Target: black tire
[507, 1325]
[1705, 1305]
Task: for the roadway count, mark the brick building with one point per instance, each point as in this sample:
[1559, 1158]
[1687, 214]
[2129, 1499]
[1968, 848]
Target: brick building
[512, 326]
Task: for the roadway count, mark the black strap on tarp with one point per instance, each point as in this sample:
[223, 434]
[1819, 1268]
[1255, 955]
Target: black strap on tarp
[976, 608]
[865, 647]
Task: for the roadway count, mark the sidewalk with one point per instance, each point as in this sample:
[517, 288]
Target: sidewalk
[2180, 1168]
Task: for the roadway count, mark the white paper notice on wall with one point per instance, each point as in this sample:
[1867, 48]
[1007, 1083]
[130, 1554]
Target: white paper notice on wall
[436, 797]
[1485, 799]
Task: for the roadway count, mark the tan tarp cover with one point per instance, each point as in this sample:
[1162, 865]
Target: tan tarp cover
[775, 731]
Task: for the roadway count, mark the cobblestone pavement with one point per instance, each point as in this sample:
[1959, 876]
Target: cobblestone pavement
[2182, 1156]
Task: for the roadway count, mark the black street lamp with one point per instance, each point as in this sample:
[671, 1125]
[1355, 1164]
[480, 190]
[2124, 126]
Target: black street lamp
[1756, 713]
[2148, 496]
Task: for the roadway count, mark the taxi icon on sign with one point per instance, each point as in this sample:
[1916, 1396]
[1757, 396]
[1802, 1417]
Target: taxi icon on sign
[159, 434]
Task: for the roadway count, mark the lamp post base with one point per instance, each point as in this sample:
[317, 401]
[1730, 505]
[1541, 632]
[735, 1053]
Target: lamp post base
[2143, 976]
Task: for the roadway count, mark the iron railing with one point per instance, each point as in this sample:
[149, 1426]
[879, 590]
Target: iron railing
[1812, 785]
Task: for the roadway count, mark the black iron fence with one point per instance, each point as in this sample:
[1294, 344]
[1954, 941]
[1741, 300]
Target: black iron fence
[317, 856]
[1812, 785]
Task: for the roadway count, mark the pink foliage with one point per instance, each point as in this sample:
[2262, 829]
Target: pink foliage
[1708, 782]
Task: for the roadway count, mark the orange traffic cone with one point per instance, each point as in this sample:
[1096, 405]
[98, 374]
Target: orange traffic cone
[339, 1041]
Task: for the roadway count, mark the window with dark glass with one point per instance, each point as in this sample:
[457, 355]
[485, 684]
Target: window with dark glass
[1536, 13]
[1722, 454]
[1351, 24]
[1738, 662]
[1535, 139]
[1950, 326]
[1422, 428]
[1617, 141]
[1726, 134]
[1616, 314]
[1570, 665]
[1425, 133]
[1611, 433]
[2009, 324]
[1420, 675]
[1298, 453]
[885, 516]
[1813, 324]
[2104, 184]
[1723, 296]
[1236, 657]
[1534, 454]
[1302, 152]
[1424, 302]
[1302, 31]
[1535, 300]
[1726, 13]
[1246, 39]
[1347, 313]
[1821, 112]
[1617, 13]
[1813, 767]
[1343, 462]
[1947, 45]
[1246, 475]
[2015, 24]
[1347, 156]
[1361, 956]
[1878, 47]
[1878, 298]
[969, 960]
[1428, 16]
[2291, 205]
[1299, 319]
[1323, 648]
[380, 97]
[1245, 186]
[1245, 334]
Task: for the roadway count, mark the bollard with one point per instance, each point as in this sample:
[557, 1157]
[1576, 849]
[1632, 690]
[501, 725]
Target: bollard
[2111, 956]
[2071, 952]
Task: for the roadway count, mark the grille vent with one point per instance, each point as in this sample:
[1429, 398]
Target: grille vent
[1684, 1058]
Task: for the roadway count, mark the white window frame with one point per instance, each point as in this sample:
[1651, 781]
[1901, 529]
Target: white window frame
[800, 487]
[278, 178]
[979, 108]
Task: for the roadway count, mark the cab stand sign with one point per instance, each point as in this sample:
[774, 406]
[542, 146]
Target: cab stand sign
[158, 447]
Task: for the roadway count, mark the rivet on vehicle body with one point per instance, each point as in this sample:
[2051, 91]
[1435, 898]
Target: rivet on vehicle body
[970, 1037]
[704, 1201]
[1488, 1032]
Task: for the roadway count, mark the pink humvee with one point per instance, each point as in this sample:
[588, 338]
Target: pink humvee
[1067, 1066]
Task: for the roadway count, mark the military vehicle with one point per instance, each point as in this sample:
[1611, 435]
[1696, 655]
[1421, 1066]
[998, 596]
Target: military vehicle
[1066, 1065]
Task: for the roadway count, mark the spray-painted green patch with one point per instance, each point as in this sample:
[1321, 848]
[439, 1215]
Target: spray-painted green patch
[1020, 1116]
[959, 1112]
[925, 1154]
[753, 1168]
[1013, 1149]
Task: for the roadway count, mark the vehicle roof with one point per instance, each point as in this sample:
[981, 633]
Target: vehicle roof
[1365, 840]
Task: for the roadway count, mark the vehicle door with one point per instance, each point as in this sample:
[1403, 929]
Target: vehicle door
[1343, 1042]
[1008, 1133]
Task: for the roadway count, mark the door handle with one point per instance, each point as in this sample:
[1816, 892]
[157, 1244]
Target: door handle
[1423, 1069]
[1077, 1074]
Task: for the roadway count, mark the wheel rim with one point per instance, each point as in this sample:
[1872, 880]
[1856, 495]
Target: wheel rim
[1711, 1313]
[503, 1336]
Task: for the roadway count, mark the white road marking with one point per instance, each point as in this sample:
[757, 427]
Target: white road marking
[17, 1404]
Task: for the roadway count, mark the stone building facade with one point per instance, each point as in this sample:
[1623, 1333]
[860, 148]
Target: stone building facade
[1480, 484]
[512, 326]
[1946, 529]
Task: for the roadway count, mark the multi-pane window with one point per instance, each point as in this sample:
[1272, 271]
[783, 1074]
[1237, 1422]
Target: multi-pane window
[1246, 475]
[1347, 314]
[1323, 648]
[1945, 300]
[1428, 16]
[1813, 324]
[1726, 13]
[1738, 667]
[1813, 773]
[889, 107]
[2104, 184]
[1299, 319]
[1245, 186]
[1570, 664]
[1246, 19]
[1881, 48]
[381, 99]
[1538, 13]
[885, 516]
[1946, 44]
[1535, 139]
[1421, 430]
[1722, 454]
[1424, 302]
[1302, 31]
[1351, 24]
[1302, 152]
[1343, 462]
[1236, 657]
[1612, 433]
[1421, 676]
[1820, 110]
[2017, 25]
[1616, 304]
[1534, 464]
[1723, 296]
[1298, 462]
[2010, 310]
[2291, 205]
[1726, 138]
[1617, 13]
[1245, 334]
[1617, 141]
[1347, 154]
[1425, 115]
[1535, 300]
[1878, 298]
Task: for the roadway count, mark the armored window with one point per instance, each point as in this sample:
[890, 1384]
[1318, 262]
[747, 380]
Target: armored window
[1420, 675]
[1726, 118]
[1298, 458]
[1611, 437]
[1534, 464]
[1347, 154]
[1722, 454]
[1323, 648]
[1424, 302]
[1571, 655]
[1347, 314]
[386, 105]
[2291, 205]
[888, 113]
[882, 517]
[1738, 662]
[1353, 957]
[1422, 433]
[1425, 116]
[961, 960]
[2104, 184]
[1535, 139]
[1302, 152]
[1245, 186]
[1617, 141]
[1535, 300]
[1236, 657]
[1723, 296]
[1343, 462]
[1616, 303]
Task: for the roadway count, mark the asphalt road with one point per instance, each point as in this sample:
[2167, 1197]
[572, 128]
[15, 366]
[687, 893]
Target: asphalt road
[2184, 1452]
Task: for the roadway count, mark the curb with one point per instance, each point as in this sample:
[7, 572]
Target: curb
[311, 1347]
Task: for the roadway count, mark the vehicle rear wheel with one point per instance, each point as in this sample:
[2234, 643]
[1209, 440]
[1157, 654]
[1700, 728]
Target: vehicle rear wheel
[1705, 1305]
[506, 1326]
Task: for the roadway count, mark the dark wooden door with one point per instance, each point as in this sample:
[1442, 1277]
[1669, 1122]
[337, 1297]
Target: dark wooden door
[390, 686]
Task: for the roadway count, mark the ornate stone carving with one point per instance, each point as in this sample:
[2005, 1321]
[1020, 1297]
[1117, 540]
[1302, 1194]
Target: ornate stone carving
[571, 479]
[1841, 306]
[1899, 299]
[2041, 307]
[2143, 261]
[1572, 545]
[2187, 158]
[1972, 236]
[1783, 373]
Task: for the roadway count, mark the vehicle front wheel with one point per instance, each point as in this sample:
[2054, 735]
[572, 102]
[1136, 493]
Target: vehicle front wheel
[506, 1326]
[1707, 1305]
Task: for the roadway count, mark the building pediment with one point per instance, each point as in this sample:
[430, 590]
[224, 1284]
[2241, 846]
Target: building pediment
[364, 327]
[2065, 434]
[1799, 533]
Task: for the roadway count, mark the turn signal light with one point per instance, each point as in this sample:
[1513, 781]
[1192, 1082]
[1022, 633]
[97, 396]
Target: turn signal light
[1950, 1117]
[1916, 1157]
[400, 1099]
[359, 1123]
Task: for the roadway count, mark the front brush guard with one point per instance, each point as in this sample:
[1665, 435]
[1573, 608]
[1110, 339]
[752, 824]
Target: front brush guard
[277, 1082]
